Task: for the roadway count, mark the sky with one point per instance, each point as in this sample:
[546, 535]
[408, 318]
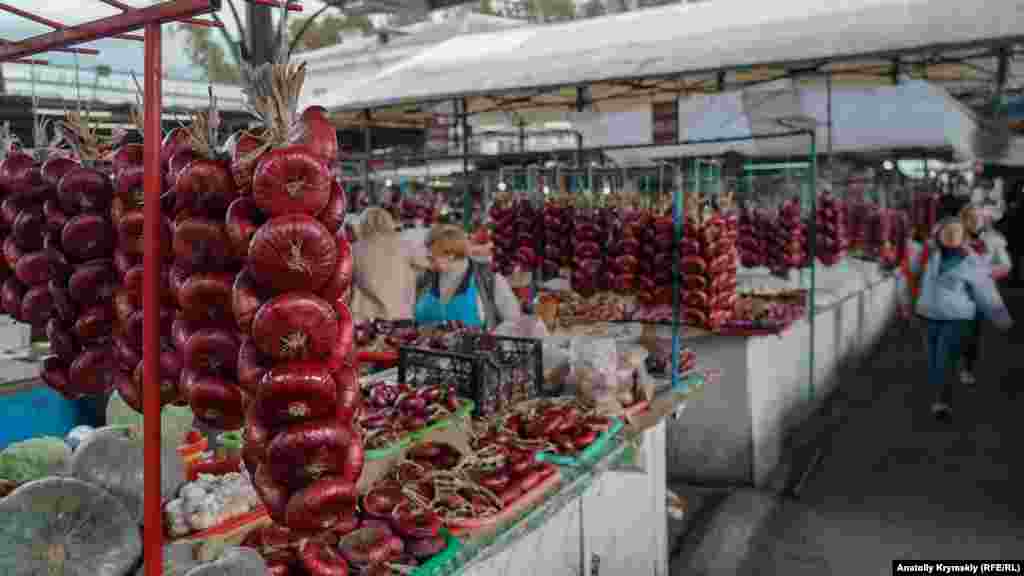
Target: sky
[118, 54]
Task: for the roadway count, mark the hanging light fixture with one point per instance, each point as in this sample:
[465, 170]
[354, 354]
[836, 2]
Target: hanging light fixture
[502, 186]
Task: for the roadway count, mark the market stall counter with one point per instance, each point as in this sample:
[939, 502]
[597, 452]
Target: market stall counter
[736, 431]
[591, 521]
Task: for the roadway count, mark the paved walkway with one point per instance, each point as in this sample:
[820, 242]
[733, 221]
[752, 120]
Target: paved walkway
[894, 483]
[898, 484]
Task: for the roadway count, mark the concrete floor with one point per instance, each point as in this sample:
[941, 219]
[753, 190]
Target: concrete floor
[894, 483]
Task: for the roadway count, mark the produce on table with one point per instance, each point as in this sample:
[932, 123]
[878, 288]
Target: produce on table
[759, 313]
[294, 355]
[175, 421]
[67, 526]
[394, 410]
[112, 458]
[33, 459]
[560, 426]
[209, 501]
[831, 223]
[659, 361]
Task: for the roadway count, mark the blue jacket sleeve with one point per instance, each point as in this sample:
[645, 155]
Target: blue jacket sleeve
[986, 296]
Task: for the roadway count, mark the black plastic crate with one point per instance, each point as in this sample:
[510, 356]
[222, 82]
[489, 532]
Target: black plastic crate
[493, 371]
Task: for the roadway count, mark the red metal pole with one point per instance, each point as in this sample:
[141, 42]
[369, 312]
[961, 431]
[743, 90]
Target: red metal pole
[116, 25]
[193, 21]
[152, 258]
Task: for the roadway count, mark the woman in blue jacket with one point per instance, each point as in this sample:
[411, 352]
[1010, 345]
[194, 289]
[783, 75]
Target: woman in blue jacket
[953, 286]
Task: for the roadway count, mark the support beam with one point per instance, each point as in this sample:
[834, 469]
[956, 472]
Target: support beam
[1003, 72]
[191, 21]
[152, 260]
[116, 25]
[260, 24]
[4, 7]
[896, 71]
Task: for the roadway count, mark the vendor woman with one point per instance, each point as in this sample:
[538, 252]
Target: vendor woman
[459, 288]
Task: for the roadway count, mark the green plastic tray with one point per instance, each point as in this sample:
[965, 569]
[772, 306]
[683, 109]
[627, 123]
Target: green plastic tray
[439, 563]
[413, 437]
[587, 454]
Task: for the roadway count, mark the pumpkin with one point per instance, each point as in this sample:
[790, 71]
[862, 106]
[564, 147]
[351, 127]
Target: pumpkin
[235, 561]
[67, 526]
[112, 458]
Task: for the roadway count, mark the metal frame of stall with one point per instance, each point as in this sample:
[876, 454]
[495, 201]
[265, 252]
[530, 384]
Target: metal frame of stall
[66, 39]
[677, 207]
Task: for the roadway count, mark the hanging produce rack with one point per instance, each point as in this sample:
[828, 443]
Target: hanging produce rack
[64, 38]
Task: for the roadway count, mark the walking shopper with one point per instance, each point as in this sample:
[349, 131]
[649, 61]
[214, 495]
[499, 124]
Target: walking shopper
[990, 247]
[947, 290]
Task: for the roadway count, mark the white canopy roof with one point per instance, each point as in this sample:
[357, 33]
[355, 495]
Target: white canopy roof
[913, 115]
[682, 39]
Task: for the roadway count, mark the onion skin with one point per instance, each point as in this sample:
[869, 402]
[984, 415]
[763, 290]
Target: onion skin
[11, 252]
[131, 234]
[126, 156]
[256, 432]
[212, 351]
[296, 326]
[55, 375]
[291, 180]
[93, 371]
[333, 215]
[319, 559]
[128, 186]
[37, 268]
[293, 253]
[85, 190]
[297, 391]
[28, 229]
[37, 307]
[129, 392]
[217, 402]
[123, 262]
[273, 494]
[242, 167]
[128, 357]
[201, 244]
[244, 218]
[175, 141]
[305, 452]
[207, 297]
[55, 217]
[13, 293]
[55, 168]
[350, 398]
[179, 162]
[337, 291]
[94, 324]
[252, 365]
[318, 134]
[424, 548]
[246, 299]
[19, 170]
[11, 208]
[204, 187]
[321, 505]
[64, 308]
[92, 283]
[87, 237]
[61, 341]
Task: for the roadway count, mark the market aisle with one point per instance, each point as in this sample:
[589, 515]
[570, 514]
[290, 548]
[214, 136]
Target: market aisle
[898, 484]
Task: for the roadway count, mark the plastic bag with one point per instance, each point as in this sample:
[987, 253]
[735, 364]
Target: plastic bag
[594, 373]
[524, 327]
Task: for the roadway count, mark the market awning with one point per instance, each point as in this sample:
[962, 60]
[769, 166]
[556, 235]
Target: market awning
[661, 52]
[912, 116]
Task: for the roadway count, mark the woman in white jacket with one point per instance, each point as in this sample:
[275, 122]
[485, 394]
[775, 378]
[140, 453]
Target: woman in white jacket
[990, 247]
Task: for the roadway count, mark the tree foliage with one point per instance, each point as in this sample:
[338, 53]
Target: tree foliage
[487, 7]
[324, 31]
[551, 9]
[209, 56]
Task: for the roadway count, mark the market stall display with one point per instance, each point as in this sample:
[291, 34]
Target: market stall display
[395, 412]
[832, 233]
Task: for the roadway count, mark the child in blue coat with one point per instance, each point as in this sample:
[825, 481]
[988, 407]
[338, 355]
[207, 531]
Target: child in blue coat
[953, 286]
